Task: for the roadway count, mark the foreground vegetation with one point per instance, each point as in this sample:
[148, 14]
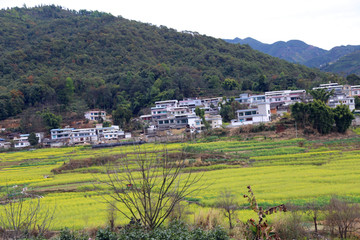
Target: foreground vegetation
[296, 171]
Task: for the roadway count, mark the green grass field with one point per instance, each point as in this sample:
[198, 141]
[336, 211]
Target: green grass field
[279, 171]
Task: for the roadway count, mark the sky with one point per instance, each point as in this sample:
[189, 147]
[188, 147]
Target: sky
[321, 23]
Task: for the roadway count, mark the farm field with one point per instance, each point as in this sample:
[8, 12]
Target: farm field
[279, 171]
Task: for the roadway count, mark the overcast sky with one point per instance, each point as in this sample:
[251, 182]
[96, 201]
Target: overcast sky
[322, 23]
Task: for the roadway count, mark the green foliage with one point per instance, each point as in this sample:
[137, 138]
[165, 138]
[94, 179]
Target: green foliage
[343, 118]
[321, 94]
[51, 120]
[122, 115]
[230, 84]
[321, 116]
[317, 114]
[357, 102]
[33, 140]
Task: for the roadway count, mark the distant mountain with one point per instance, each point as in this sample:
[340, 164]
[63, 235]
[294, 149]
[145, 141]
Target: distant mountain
[299, 52]
[348, 64]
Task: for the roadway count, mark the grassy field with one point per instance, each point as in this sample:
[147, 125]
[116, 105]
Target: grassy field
[279, 171]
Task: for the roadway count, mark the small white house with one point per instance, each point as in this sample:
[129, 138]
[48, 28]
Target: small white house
[215, 121]
[95, 115]
[261, 114]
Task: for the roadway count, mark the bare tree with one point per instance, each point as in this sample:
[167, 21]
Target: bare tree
[24, 214]
[228, 203]
[313, 209]
[342, 216]
[150, 186]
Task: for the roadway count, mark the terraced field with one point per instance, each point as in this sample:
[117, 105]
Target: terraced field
[294, 171]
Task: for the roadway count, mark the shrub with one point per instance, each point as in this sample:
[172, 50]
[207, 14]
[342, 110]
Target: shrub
[290, 227]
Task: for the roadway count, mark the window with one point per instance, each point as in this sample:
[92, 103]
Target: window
[161, 122]
[253, 112]
[249, 119]
[247, 113]
[166, 121]
[241, 114]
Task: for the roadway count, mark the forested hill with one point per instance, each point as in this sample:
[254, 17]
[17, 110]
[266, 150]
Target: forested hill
[52, 56]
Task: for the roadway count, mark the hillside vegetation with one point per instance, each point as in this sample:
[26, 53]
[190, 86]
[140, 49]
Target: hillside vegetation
[80, 59]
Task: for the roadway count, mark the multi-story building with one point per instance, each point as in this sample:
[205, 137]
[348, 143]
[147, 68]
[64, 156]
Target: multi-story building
[57, 134]
[285, 97]
[95, 115]
[260, 114]
[252, 100]
[355, 91]
[83, 135]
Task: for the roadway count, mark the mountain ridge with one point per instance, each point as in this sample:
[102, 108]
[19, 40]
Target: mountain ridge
[297, 51]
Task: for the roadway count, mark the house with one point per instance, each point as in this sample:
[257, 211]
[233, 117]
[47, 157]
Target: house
[166, 104]
[95, 115]
[109, 133]
[211, 102]
[190, 103]
[355, 91]
[331, 86]
[280, 101]
[21, 141]
[252, 100]
[64, 133]
[83, 135]
[215, 121]
[177, 121]
[339, 99]
[285, 97]
[4, 144]
[261, 114]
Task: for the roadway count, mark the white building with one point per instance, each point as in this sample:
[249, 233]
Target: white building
[215, 121]
[355, 91]
[83, 135]
[109, 133]
[285, 97]
[261, 114]
[95, 115]
[190, 103]
[64, 133]
[166, 104]
[341, 99]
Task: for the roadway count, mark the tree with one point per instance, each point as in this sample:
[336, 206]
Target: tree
[300, 112]
[321, 116]
[24, 213]
[343, 118]
[357, 102]
[33, 139]
[201, 114]
[342, 216]
[121, 115]
[227, 202]
[230, 84]
[51, 120]
[149, 186]
[321, 94]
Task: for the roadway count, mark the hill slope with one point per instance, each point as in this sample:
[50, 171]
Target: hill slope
[65, 58]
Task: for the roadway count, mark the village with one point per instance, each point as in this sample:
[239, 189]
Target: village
[172, 118]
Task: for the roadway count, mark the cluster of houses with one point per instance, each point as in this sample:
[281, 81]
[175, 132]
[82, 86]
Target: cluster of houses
[174, 114]
[72, 136]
